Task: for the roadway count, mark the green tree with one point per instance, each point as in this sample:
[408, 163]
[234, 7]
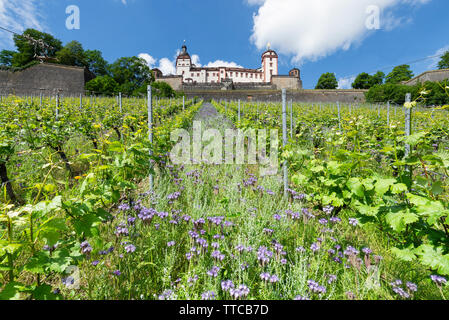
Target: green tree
[362, 81]
[444, 63]
[72, 54]
[26, 51]
[131, 73]
[377, 79]
[95, 62]
[161, 89]
[399, 74]
[395, 93]
[327, 81]
[103, 85]
[366, 81]
[6, 57]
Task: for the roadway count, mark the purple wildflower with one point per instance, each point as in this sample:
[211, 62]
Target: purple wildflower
[439, 281]
[130, 248]
[353, 222]
[171, 244]
[209, 295]
[227, 285]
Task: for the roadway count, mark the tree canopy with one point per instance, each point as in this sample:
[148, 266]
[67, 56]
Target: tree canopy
[131, 73]
[399, 74]
[366, 81]
[6, 58]
[444, 62]
[103, 84]
[72, 54]
[327, 81]
[26, 51]
[95, 62]
[395, 93]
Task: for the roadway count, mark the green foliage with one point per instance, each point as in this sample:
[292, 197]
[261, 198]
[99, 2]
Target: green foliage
[41, 231]
[395, 93]
[327, 81]
[131, 73]
[72, 54]
[6, 57]
[161, 89]
[103, 85]
[377, 79]
[399, 74]
[26, 51]
[363, 81]
[95, 62]
[444, 62]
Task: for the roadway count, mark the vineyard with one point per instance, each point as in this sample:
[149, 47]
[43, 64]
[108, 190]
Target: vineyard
[365, 215]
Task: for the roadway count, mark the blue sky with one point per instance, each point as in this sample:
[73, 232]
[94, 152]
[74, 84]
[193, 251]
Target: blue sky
[316, 36]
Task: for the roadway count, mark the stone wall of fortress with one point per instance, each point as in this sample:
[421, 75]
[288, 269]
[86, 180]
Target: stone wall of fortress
[311, 96]
[45, 78]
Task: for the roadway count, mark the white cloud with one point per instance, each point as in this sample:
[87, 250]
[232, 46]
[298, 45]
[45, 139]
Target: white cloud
[149, 59]
[18, 16]
[309, 30]
[346, 83]
[196, 60]
[221, 63]
[167, 66]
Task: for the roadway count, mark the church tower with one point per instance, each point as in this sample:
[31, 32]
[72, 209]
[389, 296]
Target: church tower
[183, 62]
[270, 61]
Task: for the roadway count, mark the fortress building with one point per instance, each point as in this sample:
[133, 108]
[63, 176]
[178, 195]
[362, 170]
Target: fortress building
[192, 74]
[267, 76]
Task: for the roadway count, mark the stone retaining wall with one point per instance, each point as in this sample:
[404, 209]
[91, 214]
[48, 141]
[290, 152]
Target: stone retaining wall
[45, 78]
[312, 96]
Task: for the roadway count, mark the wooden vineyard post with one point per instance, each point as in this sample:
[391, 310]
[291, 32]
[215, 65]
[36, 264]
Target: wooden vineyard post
[408, 127]
[284, 136]
[81, 101]
[183, 103]
[150, 134]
